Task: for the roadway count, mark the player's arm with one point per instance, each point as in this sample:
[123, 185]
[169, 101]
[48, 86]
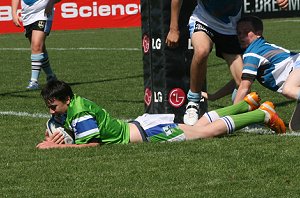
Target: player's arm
[227, 89]
[16, 18]
[243, 90]
[57, 141]
[86, 134]
[173, 35]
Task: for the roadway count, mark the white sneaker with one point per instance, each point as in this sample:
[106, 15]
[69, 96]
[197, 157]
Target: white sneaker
[191, 115]
[33, 85]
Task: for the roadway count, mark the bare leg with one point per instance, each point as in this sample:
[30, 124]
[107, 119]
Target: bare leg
[202, 46]
[291, 88]
[235, 63]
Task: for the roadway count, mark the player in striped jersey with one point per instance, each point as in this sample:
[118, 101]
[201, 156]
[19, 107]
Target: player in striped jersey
[213, 22]
[36, 16]
[276, 68]
[91, 125]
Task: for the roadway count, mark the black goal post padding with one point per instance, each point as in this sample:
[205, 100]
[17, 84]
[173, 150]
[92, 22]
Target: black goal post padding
[166, 70]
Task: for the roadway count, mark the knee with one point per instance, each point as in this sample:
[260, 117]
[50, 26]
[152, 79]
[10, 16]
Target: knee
[201, 54]
[36, 48]
[289, 93]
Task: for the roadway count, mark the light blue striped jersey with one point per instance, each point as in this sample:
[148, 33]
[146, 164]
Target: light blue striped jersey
[268, 63]
[224, 9]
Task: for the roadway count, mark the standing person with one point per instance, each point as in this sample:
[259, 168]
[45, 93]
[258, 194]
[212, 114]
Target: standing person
[36, 17]
[276, 68]
[91, 125]
[213, 22]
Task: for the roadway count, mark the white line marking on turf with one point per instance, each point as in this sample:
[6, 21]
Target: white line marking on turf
[24, 114]
[74, 48]
[286, 20]
[90, 48]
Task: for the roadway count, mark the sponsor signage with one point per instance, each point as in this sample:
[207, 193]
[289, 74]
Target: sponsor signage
[270, 9]
[82, 14]
[85, 14]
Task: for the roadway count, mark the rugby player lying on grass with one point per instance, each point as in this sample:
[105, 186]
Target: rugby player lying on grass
[91, 125]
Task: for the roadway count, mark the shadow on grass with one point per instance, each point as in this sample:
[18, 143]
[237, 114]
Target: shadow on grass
[105, 80]
[278, 104]
[21, 93]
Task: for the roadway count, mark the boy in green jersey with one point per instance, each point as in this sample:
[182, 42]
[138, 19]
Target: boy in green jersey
[91, 125]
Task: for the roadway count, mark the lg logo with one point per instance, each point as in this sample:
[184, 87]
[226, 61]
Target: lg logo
[177, 97]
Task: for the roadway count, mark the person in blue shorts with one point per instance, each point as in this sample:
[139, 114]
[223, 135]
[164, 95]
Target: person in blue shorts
[213, 22]
[91, 125]
[36, 17]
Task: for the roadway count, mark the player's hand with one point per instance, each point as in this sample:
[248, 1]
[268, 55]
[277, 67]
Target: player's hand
[283, 4]
[17, 20]
[47, 137]
[204, 95]
[172, 39]
[51, 141]
[208, 96]
[57, 138]
[46, 145]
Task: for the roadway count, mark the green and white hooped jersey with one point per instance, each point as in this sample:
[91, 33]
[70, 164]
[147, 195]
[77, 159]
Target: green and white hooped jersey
[34, 10]
[88, 121]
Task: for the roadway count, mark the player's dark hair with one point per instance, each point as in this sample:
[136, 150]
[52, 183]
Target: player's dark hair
[256, 22]
[57, 90]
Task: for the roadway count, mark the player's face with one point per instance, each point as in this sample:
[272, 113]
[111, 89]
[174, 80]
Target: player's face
[57, 107]
[245, 33]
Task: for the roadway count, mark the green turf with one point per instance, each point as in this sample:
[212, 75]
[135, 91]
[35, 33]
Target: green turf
[241, 165]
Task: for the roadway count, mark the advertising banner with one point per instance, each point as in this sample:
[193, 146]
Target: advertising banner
[270, 9]
[86, 14]
[83, 14]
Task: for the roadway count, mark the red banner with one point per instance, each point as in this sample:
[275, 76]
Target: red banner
[82, 14]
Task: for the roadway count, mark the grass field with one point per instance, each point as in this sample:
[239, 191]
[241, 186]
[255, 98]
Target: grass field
[105, 65]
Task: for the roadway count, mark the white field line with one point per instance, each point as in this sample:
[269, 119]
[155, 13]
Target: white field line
[286, 20]
[74, 48]
[24, 114]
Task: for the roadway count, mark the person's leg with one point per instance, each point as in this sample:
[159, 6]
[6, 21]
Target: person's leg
[36, 41]
[223, 126]
[39, 49]
[228, 48]
[228, 124]
[202, 45]
[250, 102]
[291, 88]
[235, 63]
[264, 114]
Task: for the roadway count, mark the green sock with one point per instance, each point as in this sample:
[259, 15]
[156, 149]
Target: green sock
[245, 119]
[236, 122]
[238, 108]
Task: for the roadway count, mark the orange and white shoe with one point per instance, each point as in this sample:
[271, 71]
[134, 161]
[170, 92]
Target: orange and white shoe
[253, 100]
[272, 120]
